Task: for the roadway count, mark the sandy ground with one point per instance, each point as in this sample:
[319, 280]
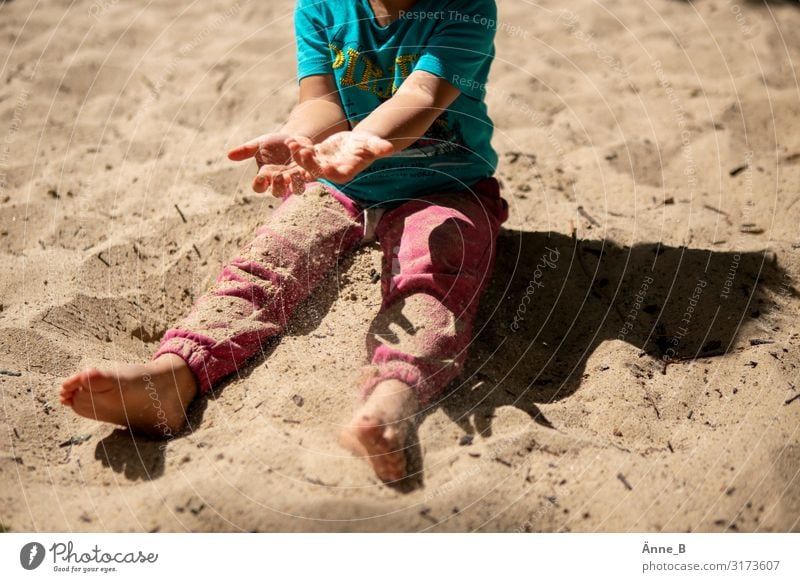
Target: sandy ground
[636, 361]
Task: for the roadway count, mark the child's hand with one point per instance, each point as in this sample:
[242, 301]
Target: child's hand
[275, 165]
[342, 156]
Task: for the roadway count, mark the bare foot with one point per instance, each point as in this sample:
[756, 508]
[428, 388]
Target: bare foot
[149, 398]
[380, 429]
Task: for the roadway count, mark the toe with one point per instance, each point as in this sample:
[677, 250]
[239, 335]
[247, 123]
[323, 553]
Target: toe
[94, 380]
[72, 383]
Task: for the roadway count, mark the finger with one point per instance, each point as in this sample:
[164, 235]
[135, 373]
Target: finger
[278, 186]
[292, 144]
[305, 158]
[294, 149]
[310, 162]
[263, 179]
[295, 146]
[260, 184]
[244, 151]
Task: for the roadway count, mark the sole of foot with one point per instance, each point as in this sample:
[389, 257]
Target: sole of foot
[379, 431]
[147, 398]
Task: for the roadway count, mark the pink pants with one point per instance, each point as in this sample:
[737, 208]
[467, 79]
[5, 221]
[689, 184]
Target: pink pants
[438, 252]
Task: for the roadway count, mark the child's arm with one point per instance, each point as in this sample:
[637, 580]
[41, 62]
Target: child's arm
[319, 112]
[405, 118]
[393, 126]
[317, 116]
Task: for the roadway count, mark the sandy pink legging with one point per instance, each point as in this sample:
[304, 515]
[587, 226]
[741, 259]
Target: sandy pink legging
[438, 251]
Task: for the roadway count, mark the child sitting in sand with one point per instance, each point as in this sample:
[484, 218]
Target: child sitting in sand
[390, 140]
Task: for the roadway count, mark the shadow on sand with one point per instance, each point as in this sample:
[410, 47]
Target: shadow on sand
[554, 299]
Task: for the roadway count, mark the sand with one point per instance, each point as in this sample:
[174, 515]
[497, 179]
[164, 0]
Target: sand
[635, 361]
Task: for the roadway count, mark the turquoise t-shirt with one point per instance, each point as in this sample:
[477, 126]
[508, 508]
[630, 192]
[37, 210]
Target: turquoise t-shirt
[452, 39]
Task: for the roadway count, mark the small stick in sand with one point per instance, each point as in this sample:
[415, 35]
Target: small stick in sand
[653, 404]
[792, 399]
[44, 319]
[139, 254]
[587, 216]
[738, 170]
[75, 440]
[181, 213]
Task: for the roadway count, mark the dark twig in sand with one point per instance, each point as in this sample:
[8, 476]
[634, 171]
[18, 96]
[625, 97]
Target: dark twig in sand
[181, 213]
[426, 513]
[624, 481]
[502, 461]
[738, 170]
[71, 442]
[105, 262]
[750, 228]
[75, 440]
[44, 319]
[718, 211]
[761, 342]
[653, 404]
[528, 478]
[667, 361]
[10, 373]
[139, 254]
[792, 399]
[587, 216]
[194, 246]
[225, 76]
[715, 209]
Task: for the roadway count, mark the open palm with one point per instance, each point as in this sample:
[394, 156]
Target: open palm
[276, 168]
[340, 157]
